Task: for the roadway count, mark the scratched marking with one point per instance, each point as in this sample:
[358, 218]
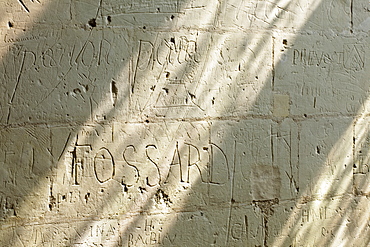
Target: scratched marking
[23, 6]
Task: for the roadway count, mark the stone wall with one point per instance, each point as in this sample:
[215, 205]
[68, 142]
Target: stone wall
[184, 123]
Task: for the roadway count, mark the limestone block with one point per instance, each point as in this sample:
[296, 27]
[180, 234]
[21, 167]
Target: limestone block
[325, 157]
[166, 70]
[64, 75]
[322, 74]
[25, 168]
[361, 171]
[263, 158]
[286, 15]
[319, 222]
[360, 20]
[359, 226]
[236, 80]
[192, 74]
[21, 16]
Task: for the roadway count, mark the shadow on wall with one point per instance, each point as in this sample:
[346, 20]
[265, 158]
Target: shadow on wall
[194, 123]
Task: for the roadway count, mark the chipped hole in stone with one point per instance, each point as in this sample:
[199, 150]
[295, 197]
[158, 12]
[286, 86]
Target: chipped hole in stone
[152, 87]
[114, 92]
[144, 27]
[172, 17]
[285, 42]
[87, 196]
[63, 197]
[76, 90]
[205, 148]
[318, 150]
[146, 121]
[109, 19]
[305, 115]
[354, 166]
[92, 22]
[158, 9]
[256, 77]
[102, 190]
[10, 25]
[172, 40]
[166, 90]
[167, 74]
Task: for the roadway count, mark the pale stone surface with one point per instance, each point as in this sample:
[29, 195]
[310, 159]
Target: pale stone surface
[281, 105]
[184, 123]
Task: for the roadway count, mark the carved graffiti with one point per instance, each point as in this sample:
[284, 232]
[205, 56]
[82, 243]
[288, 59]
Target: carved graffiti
[351, 57]
[104, 165]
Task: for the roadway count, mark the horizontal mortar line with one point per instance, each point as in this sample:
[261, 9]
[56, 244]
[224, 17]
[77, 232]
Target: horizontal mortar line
[158, 120]
[113, 14]
[219, 30]
[172, 211]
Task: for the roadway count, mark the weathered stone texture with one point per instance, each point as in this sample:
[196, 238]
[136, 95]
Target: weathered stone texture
[184, 123]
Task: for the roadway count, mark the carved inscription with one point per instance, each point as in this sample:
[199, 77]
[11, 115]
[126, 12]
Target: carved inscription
[71, 69]
[146, 6]
[309, 215]
[351, 57]
[184, 123]
[362, 145]
[59, 55]
[150, 234]
[104, 165]
[171, 65]
[8, 205]
[161, 56]
[186, 158]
